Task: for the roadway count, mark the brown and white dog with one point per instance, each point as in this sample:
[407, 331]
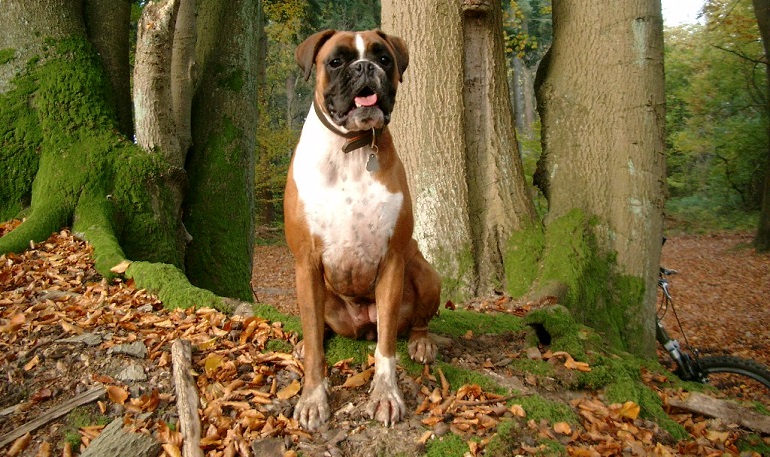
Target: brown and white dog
[348, 220]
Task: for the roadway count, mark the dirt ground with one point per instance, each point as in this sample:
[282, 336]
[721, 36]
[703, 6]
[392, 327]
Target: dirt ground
[63, 331]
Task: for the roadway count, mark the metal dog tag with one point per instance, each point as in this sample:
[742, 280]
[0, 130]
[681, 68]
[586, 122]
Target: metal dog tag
[373, 164]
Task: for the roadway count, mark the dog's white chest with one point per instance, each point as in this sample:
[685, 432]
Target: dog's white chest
[353, 213]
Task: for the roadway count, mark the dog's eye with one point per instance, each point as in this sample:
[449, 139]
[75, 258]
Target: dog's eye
[335, 63]
[385, 60]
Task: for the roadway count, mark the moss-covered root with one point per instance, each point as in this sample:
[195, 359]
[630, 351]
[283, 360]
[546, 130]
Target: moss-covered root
[93, 223]
[172, 287]
[37, 227]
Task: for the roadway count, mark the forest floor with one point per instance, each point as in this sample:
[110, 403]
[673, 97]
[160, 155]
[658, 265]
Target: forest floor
[64, 330]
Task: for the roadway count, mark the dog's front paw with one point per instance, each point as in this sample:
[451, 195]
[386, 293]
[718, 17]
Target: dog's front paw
[422, 349]
[386, 404]
[312, 409]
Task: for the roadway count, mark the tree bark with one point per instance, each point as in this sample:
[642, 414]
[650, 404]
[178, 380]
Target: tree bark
[107, 25]
[601, 102]
[455, 133]
[218, 213]
[762, 239]
[115, 441]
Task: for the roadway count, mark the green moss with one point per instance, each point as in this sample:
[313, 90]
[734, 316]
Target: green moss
[506, 440]
[459, 322]
[538, 408]
[753, 443]
[522, 259]
[6, 55]
[290, 323]
[629, 389]
[535, 367]
[595, 294]
[560, 330]
[273, 345]
[82, 416]
[341, 348]
[449, 445]
[171, 286]
[233, 81]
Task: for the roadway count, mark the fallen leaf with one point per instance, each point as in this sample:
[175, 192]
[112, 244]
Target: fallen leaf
[19, 445]
[121, 267]
[289, 391]
[359, 379]
[518, 411]
[15, 323]
[468, 335]
[117, 394]
[629, 410]
[563, 428]
[32, 363]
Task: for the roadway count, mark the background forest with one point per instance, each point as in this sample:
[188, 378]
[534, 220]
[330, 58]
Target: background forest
[715, 96]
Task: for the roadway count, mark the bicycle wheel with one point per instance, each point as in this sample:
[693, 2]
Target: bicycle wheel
[734, 374]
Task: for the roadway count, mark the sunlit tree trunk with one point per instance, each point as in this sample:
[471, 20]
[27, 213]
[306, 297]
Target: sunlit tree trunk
[601, 101]
[454, 130]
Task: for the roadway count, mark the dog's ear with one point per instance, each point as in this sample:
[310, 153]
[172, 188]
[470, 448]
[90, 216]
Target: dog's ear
[399, 48]
[308, 49]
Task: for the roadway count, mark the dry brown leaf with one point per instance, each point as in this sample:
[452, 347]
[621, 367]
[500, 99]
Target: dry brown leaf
[518, 411]
[121, 268]
[425, 437]
[172, 450]
[19, 445]
[629, 410]
[289, 391]
[563, 428]
[359, 379]
[44, 450]
[15, 323]
[117, 394]
[32, 363]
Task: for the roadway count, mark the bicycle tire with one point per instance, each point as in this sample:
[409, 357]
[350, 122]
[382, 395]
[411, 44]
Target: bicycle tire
[736, 365]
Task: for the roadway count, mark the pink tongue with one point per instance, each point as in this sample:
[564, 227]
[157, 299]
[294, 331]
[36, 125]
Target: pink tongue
[369, 100]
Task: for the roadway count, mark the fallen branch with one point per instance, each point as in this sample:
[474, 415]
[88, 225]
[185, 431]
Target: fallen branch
[723, 409]
[53, 413]
[186, 398]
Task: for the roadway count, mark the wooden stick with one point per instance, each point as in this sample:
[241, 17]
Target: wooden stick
[186, 398]
[726, 410]
[53, 413]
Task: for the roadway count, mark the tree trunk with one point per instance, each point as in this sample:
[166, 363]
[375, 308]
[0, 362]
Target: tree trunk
[457, 140]
[107, 25]
[220, 212]
[601, 103]
[762, 240]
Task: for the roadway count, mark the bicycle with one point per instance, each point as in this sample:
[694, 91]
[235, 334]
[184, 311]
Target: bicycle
[702, 369]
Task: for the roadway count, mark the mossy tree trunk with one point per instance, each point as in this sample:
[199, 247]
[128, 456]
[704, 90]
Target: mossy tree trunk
[601, 101]
[453, 128]
[69, 158]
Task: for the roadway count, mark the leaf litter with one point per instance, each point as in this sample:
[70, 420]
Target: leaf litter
[51, 294]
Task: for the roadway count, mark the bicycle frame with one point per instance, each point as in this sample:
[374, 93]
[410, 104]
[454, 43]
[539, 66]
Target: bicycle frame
[688, 368]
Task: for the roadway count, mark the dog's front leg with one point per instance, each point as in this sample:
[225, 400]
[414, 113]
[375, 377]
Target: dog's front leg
[312, 409]
[386, 403]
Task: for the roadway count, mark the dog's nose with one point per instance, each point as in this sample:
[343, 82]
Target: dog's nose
[363, 67]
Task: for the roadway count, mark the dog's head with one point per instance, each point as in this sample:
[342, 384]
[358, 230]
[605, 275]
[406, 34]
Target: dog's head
[357, 75]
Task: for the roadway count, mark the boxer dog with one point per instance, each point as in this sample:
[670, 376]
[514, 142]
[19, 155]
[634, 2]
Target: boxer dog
[348, 220]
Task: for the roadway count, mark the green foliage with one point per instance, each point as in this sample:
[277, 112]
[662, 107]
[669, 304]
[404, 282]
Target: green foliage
[716, 112]
[528, 29]
[82, 416]
[753, 443]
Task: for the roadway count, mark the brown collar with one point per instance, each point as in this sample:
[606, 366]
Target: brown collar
[356, 140]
